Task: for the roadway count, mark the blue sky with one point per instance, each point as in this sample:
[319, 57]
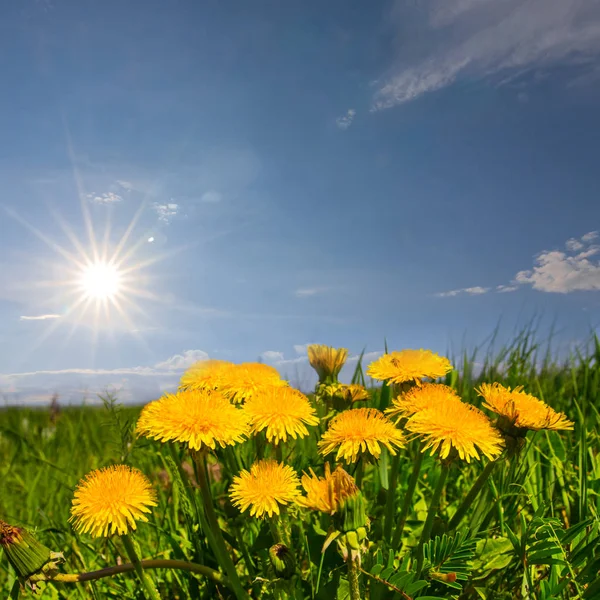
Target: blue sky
[276, 174]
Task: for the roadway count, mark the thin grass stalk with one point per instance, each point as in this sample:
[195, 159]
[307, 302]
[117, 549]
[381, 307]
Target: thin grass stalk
[458, 516]
[408, 498]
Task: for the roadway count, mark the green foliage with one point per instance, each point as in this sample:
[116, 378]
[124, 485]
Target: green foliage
[533, 532]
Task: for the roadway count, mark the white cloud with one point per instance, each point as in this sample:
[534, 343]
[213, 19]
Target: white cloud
[105, 198]
[211, 197]
[345, 121]
[272, 356]
[470, 291]
[444, 40]
[557, 272]
[166, 211]
[38, 317]
[135, 384]
[182, 361]
[301, 348]
[573, 245]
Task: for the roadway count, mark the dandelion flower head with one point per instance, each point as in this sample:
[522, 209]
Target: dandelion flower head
[521, 409]
[267, 486]
[199, 418]
[459, 426]
[420, 398]
[243, 381]
[360, 431]
[111, 500]
[409, 365]
[280, 412]
[205, 374]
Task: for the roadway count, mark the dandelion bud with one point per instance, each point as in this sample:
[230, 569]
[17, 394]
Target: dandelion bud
[24, 552]
[326, 361]
[284, 564]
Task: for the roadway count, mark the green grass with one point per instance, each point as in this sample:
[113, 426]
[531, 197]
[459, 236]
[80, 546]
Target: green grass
[532, 533]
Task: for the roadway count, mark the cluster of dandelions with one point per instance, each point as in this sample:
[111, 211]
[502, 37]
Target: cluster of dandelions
[221, 405]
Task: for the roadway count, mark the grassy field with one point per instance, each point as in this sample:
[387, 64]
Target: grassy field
[532, 532]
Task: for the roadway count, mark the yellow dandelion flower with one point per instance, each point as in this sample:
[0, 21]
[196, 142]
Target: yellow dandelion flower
[326, 494]
[205, 374]
[245, 380]
[326, 361]
[111, 500]
[199, 418]
[264, 488]
[409, 365]
[458, 426]
[521, 409]
[280, 411]
[360, 431]
[420, 398]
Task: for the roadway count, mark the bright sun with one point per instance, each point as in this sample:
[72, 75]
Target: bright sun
[101, 281]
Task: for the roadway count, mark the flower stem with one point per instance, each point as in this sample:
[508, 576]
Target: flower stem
[390, 502]
[219, 547]
[179, 565]
[434, 506]
[472, 494]
[143, 577]
[353, 570]
[408, 497]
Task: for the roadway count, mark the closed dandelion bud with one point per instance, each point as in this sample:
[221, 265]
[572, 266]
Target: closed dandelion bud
[352, 512]
[24, 552]
[284, 564]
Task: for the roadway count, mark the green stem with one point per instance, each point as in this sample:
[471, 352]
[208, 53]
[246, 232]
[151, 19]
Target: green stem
[472, 494]
[390, 503]
[354, 584]
[179, 565]
[408, 498]
[219, 547]
[143, 577]
[359, 471]
[279, 452]
[434, 507]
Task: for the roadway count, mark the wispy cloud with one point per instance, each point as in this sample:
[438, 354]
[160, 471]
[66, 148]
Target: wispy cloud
[166, 211]
[445, 40]
[505, 289]
[470, 291]
[105, 198]
[345, 121]
[135, 384]
[271, 356]
[38, 317]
